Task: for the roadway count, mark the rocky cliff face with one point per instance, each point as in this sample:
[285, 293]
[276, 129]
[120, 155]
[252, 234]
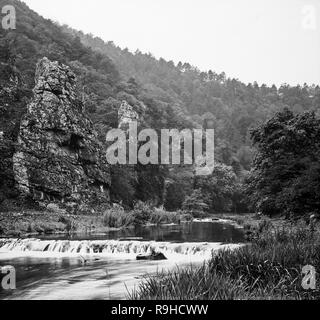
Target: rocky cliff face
[12, 105]
[58, 156]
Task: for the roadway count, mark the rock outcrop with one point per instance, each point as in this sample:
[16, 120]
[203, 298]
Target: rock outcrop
[126, 115]
[12, 104]
[58, 156]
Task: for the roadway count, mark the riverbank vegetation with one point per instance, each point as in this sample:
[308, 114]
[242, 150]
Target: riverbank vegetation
[17, 221]
[270, 267]
[35, 223]
[142, 214]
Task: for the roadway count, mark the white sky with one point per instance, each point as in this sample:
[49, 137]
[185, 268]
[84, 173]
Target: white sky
[269, 41]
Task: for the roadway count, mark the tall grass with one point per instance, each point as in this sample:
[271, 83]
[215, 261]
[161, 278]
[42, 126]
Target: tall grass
[268, 268]
[141, 214]
[160, 216]
[117, 218]
[188, 284]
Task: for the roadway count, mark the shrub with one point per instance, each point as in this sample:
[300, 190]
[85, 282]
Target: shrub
[142, 213]
[160, 216]
[196, 204]
[117, 218]
[68, 222]
[185, 216]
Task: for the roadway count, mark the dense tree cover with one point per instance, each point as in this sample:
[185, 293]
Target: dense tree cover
[222, 191]
[196, 204]
[234, 106]
[286, 173]
[100, 88]
[172, 95]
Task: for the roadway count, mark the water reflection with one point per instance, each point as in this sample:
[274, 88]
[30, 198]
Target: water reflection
[185, 232]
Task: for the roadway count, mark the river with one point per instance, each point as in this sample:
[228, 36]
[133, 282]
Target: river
[105, 266]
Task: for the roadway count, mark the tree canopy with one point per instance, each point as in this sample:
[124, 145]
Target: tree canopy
[286, 170]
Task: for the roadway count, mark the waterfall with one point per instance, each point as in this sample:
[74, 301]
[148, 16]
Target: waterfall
[110, 247]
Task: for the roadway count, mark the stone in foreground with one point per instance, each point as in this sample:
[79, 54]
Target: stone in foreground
[152, 256]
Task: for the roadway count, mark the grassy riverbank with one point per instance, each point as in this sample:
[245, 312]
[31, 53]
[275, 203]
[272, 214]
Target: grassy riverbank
[268, 268]
[34, 223]
[23, 222]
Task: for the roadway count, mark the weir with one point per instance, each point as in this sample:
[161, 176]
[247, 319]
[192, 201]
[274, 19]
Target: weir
[108, 247]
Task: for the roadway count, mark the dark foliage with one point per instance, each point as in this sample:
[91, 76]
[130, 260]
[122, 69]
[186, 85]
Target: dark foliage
[286, 173]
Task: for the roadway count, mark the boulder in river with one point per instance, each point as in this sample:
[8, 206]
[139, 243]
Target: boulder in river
[152, 256]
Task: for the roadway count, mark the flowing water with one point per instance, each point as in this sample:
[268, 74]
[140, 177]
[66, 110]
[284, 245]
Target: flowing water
[105, 266]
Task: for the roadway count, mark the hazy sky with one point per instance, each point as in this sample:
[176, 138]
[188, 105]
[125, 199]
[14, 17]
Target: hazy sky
[270, 41]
